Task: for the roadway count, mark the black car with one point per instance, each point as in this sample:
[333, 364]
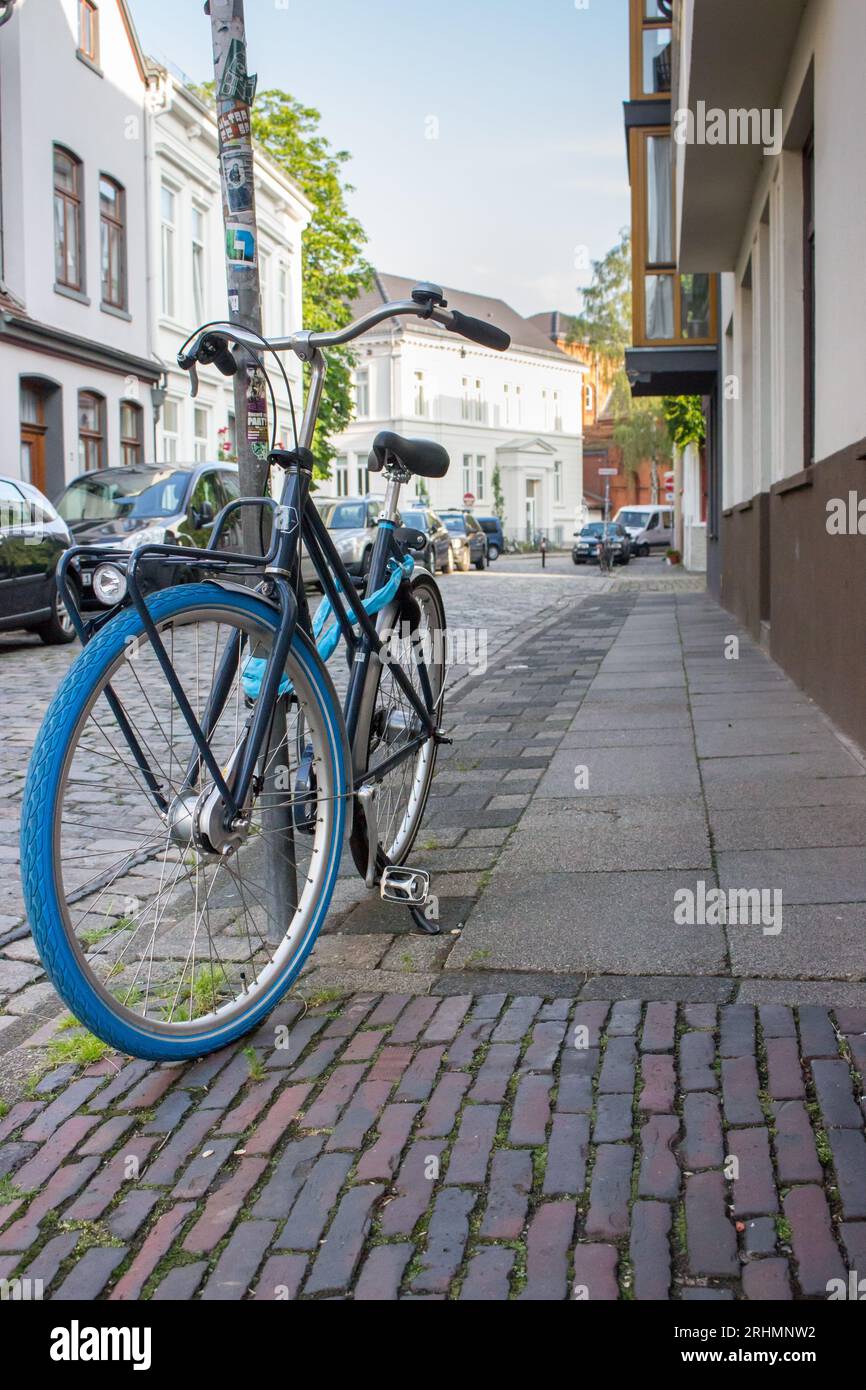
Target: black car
[117, 509]
[437, 551]
[468, 541]
[585, 548]
[32, 539]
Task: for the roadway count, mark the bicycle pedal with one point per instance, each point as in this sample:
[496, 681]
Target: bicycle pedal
[411, 887]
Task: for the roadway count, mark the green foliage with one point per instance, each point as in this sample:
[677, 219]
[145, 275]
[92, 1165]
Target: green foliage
[334, 269]
[498, 494]
[640, 431]
[335, 272]
[605, 321]
[685, 420]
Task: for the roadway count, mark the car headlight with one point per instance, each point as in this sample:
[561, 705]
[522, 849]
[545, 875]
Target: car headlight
[148, 535]
[109, 584]
[346, 545]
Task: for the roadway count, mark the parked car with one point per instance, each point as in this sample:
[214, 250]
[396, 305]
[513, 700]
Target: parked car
[121, 508]
[437, 552]
[32, 539]
[468, 541]
[647, 526]
[352, 524]
[585, 549]
[492, 528]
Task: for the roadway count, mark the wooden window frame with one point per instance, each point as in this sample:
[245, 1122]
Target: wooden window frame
[638, 26]
[118, 225]
[641, 267]
[88, 8]
[73, 205]
[128, 442]
[89, 436]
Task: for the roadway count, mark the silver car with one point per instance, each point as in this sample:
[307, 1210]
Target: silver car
[352, 524]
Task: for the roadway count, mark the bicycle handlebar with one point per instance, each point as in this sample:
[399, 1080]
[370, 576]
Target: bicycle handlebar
[212, 343]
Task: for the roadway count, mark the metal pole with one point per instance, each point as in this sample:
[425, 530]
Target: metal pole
[234, 94]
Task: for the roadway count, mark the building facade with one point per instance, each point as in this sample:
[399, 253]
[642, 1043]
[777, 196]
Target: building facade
[113, 250]
[514, 417]
[76, 368]
[188, 274]
[766, 169]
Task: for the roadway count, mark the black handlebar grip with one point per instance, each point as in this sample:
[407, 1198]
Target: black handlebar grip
[214, 348]
[225, 361]
[479, 331]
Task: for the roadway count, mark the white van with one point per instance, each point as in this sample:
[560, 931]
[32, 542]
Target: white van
[648, 526]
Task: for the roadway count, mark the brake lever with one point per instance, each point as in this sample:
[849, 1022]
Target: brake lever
[193, 379]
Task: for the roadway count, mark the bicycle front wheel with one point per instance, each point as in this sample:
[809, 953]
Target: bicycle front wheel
[387, 724]
[165, 941]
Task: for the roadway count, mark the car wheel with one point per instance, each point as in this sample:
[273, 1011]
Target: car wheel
[365, 561]
[492, 553]
[482, 561]
[576, 558]
[465, 560]
[58, 629]
[431, 559]
[449, 561]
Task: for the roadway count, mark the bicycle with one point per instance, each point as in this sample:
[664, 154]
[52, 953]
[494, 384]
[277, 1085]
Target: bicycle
[195, 777]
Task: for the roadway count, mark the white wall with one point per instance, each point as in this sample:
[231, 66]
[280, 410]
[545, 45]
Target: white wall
[527, 421]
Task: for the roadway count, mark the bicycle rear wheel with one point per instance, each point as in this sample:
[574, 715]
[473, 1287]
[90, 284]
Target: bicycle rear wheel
[162, 939]
[387, 722]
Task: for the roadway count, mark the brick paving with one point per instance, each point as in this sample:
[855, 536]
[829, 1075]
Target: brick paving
[477, 1147]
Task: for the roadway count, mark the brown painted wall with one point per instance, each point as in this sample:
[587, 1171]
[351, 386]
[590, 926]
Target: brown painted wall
[741, 574]
[819, 591]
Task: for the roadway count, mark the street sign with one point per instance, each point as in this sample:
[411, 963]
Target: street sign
[669, 478]
[608, 472]
[669, 497]
[468, 499]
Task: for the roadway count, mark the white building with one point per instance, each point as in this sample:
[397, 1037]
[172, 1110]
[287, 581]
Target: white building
[519, 411]
[75, 361]
[112, 250]
[188, 280]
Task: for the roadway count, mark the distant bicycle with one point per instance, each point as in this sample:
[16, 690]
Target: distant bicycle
[195, 777]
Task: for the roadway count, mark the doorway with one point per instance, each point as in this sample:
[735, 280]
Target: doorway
[41, 434]
[531, 508]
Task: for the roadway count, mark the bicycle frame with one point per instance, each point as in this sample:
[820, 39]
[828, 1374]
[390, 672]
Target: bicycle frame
[295, 518]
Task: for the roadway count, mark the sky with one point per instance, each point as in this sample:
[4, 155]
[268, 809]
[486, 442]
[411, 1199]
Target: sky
[486, 136]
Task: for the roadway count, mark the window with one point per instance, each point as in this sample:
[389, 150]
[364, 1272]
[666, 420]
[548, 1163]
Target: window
[283, 299]
[131, 432]
[201, 429]
[650, 48]
[362, 473]
[170, 430]
[557, 480]
[91, 431]
[341, 475]
[112, 242]
[473, 400]
[557, 414]
[167, 231]
[668, 307]
[68, 259]
[198, 263]
[480, 476]
[809, 297]
[362, 392]
[588, 399]
[88, 31]
[420, 398]
[467, 473]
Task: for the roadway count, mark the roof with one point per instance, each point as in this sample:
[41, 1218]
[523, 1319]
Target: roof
[553, 323]
[524, 332]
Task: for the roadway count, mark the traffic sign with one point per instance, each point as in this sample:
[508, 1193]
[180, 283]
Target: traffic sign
[608, 472]
[468, 499]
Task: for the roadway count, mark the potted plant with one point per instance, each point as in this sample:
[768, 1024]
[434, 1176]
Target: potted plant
[673, 557]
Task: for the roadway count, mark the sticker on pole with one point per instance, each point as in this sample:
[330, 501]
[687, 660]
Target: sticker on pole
[238, 174]
[236, 83]
[240, 245]
[234, 125]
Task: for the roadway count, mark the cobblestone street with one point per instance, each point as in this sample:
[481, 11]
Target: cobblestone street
[564, 1095]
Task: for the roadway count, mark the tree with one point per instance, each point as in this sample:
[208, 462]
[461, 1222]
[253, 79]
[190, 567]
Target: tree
[641, 432]
[684, 416]
[498, 494]
[334, 269]
[604, 324]
[335, 272]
